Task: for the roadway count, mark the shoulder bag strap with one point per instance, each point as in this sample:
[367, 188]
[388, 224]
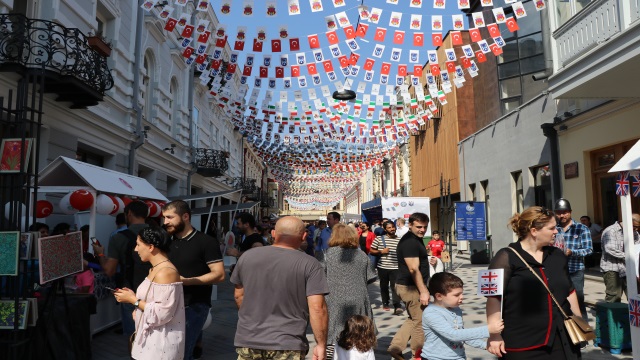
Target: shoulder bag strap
[543, 283]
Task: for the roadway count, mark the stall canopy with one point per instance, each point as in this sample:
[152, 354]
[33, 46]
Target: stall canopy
[248, 206]
[630, 160]
[66, 172]
[372, 210]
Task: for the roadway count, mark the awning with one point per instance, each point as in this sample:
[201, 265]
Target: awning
[371, 204]
[225, 208]
[204, 196]
[630, 160]
[66, 172]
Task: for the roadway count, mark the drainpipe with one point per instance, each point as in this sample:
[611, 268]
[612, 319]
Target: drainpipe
[551, 133]
[192, 150]
[395, 181]
[546, 47]
[137, 53]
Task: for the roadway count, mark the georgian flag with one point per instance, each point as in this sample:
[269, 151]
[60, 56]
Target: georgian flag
[490, 282]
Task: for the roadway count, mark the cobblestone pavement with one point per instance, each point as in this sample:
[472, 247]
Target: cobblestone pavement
[218, 338]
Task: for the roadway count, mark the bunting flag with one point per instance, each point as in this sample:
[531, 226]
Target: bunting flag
[635, 185]
[622, 184]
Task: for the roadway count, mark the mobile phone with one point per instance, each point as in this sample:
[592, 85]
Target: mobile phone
[111, 289]
[94, 240]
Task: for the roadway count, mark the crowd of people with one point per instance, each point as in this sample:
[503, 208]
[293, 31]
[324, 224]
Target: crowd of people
[290, 275]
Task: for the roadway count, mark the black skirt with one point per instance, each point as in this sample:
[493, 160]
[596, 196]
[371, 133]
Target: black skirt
[561, 349]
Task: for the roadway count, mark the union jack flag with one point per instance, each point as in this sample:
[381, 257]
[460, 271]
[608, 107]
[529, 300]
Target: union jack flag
[635, 185]
[622, 184]
[489, 289]
[634, 312]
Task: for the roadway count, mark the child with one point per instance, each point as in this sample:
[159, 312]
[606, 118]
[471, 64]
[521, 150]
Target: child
[444, 332]
[357, 340]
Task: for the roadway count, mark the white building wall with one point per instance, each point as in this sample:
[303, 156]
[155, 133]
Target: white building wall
[512, 143]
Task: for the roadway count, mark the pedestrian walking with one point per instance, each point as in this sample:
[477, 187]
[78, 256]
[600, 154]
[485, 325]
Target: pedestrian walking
[385, 246]
[442, 323]
[577, 244]
[533, 323]
[348, 274]
[278, 291]
[198, 259]
[357, 340]
[411, 285]
[613, 265]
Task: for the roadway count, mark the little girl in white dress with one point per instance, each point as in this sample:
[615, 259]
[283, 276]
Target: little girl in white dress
[357, 340]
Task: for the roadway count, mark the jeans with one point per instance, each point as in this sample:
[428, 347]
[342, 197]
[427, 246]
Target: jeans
[196, 315]
[412, 327]
[128, 324]
[388, 276]
[577, 278]
[614, 286]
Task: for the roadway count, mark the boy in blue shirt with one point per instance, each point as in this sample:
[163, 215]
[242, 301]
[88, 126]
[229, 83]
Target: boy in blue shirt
[444, 332]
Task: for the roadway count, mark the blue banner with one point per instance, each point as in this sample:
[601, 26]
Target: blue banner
[471, 220]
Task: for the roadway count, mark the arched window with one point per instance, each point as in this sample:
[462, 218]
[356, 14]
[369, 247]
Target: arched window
[146, 92]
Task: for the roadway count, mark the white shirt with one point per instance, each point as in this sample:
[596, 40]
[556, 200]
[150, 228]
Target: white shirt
[353, 354]
[401, 231]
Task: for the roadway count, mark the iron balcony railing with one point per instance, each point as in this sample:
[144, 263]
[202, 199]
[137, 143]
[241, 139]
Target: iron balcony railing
[41, 44]
[211, 163]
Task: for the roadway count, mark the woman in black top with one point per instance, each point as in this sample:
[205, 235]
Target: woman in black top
[533, 325]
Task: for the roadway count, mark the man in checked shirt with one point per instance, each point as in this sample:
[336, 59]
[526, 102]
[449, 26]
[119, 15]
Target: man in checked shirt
[612, 264]
[577, 245]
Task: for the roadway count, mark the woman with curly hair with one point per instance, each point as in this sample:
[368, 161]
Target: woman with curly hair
[357, 340]
[159, 301]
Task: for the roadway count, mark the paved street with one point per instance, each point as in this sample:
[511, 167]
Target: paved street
[218, 338]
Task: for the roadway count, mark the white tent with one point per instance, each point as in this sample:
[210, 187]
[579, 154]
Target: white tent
[630, 162]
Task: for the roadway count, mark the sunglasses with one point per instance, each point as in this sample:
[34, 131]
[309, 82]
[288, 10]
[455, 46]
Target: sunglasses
[546, 212]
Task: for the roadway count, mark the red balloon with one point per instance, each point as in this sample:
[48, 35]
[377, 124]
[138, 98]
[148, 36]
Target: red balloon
[81, 200]
[125, 200]
[44, 208]
[117, 205]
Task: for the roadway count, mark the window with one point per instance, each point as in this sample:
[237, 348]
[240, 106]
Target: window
[522, 56]
[89, 157]
[196, 129]
[519, 191]
[173, 95]
[542, 186]
[145, 89]
[566, 9]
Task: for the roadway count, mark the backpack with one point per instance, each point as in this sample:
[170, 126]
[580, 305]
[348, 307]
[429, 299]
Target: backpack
[126, 269]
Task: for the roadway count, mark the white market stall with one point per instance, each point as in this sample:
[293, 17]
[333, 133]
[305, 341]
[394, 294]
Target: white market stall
[65, 175]
[629, 168]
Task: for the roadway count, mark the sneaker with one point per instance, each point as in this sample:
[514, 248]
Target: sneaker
[398, 311]
[386, 307]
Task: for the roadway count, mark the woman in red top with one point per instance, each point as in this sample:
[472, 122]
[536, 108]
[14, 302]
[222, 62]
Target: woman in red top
[366, 236]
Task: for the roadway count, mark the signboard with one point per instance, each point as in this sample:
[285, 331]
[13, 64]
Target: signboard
[402, 207]
[471, 220]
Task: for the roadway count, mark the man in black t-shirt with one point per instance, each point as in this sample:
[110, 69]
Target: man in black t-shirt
[198, 259]
[411, 285]
[250, 239]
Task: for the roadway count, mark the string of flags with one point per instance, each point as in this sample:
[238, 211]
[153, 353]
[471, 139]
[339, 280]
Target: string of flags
[311, 141]
[628, 182]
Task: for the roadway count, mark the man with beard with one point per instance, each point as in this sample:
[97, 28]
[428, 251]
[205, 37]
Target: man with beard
[251, 238]
[577, 245]
[411, 285]
[121, 255]
[198, 259]
[385, 246]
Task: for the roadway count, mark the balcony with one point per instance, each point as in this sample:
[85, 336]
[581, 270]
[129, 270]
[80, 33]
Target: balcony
[211, 163]
[71, 68]
[249, 188]
[597, 51]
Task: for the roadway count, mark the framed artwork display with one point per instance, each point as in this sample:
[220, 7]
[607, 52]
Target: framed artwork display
[12, 153]
[9, 248]
[60, 255]
[8, 311]
[25, 246]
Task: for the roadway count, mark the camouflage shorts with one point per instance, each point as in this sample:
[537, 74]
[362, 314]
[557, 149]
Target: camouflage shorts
[257, 354]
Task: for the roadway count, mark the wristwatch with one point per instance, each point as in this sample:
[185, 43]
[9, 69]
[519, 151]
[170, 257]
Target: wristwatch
[136, 304]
